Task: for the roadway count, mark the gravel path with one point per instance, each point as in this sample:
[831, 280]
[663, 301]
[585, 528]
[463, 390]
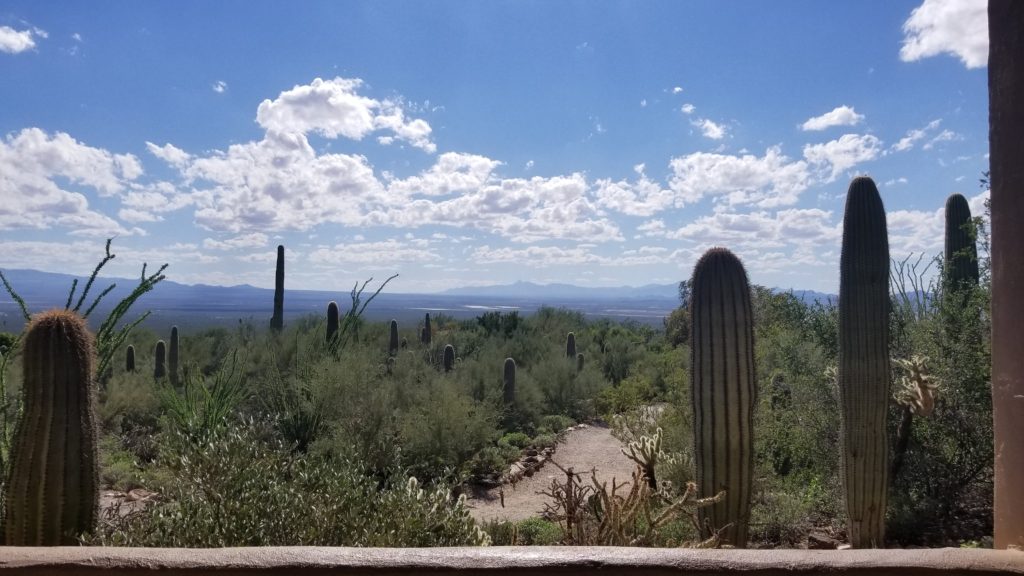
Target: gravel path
[581, 450]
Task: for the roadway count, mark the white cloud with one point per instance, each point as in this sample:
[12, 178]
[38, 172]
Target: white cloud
[146, 203]
[642, 197]
[17, 41]
[688, 108]
[453, 173]
[643, 103]
[219, 86]
[913, 136]
[169, 153]
[839, 155]
[944, 136]
[792, 227]
[766, 181]
[333, 108]
[548, 256]
[710, 129]
[383, 253]
[957, 27]
[894, 181]
[840, 116]
[677, 90]
[76, 37]
[253, 240]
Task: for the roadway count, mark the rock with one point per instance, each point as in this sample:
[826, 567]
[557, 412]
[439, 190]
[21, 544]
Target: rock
[530, 452]
[530, 459]
[845, 547]
[821, 541]
[139, 495]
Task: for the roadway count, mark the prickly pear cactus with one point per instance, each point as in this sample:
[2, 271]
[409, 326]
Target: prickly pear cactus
[509, 380]
[570, 346]
[160, 360]
[961, 251]
[864, 362]
[724, 389]
[172, 357]
[277, 320]
[53, 496]
[333, 316]
[129, 359]
[449, 358]
[393, 338]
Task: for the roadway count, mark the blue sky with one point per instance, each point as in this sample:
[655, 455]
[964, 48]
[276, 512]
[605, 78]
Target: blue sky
[464, 143]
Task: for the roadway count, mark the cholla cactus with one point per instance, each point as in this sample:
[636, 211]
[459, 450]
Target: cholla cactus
[646, 452]
[918, 388]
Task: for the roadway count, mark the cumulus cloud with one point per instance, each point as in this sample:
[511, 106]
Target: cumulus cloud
[688, 108]
[709, 129]
[334, 108]
[385, 252]
[253, 240]
[791, 227]
[766, 181]
[220, 86]
[17, 41]
[642, 197]
[837, 156]
[548, 256]
[913, 136]
[956, 27]
[840, 116]
[169, 153]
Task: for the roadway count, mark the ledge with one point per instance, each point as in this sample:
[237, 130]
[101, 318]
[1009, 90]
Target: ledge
[65, 561]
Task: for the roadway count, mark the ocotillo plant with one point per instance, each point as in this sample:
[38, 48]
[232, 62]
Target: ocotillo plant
[864, 362]
[129, 359]
[570, 346]
[961, 251]
[277, 320]
[425, 334]
[53, 496]
[172, 357]
[160, 360]
[393, 338]
[449, 358]
[332, 321]
[724, 390]
[509, 380]
[579, 361]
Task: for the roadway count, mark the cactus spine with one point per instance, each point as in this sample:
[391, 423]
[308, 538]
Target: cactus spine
[53, 496]
[393, 338]
[961, 252]
[449, 358]
[509, 379]
[129, 359]
[724, 390]
[864, 362]
[332, 321]
[570, 346]
[425, 334]
[160, 360]
[277, 320]
[172, 357]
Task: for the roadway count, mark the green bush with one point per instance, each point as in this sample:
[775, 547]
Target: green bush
[515, 439]
[538, 532]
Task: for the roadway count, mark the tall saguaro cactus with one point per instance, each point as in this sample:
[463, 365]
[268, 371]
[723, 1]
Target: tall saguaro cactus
[449, 358]
[961, 251]
[724, 390]
[160, 360]
[332, 321]
[509, 380]
[393, 338]
[53, 493]
[425, 335]
[864, 362]
[172, 357]
[277, 320]
[570, 346]
[129, 359]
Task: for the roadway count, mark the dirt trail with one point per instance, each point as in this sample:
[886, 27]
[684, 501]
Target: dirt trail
[581, 450]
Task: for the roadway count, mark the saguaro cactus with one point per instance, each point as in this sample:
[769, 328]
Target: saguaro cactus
[509, 380]
[53, 492]
[580, 361]
[961, 251]
[160, 360]
[332, 321]
[172, 357]
[570, 346]
[724, 390]
[864, 362]
[425, 334]
[449, 358]
[393, 338]
[129, 359]
[277, 320]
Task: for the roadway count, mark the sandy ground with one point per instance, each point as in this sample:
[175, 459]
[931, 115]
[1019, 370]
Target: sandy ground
[581, 449]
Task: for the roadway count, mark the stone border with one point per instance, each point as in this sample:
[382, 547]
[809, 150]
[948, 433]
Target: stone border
[274, 561]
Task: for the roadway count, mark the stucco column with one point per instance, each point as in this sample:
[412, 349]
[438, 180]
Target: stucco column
[1006, 148]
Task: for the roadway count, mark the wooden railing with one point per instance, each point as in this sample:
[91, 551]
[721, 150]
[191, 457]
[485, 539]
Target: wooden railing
[562, 561]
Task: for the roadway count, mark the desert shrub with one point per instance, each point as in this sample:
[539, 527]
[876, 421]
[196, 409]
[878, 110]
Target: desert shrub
[515, 439]
[240, 486]
[119, 468]
[555, 423]
[565, 391]
[538, 532]
[541, 441]
[493, 459]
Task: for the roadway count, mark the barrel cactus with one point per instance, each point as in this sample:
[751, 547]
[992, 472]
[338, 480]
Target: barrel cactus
[53, 493]
[172, 357]
[961, 251]
[724, 390]
[160, 360]
[393, 342]
[449, 358]
[129, 359]
[333, 316]
[570, 346]
[277, 320]
[509, 380]
[864, 362]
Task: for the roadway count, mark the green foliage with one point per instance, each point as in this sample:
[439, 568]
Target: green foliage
[202, 407]
[515, 439]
